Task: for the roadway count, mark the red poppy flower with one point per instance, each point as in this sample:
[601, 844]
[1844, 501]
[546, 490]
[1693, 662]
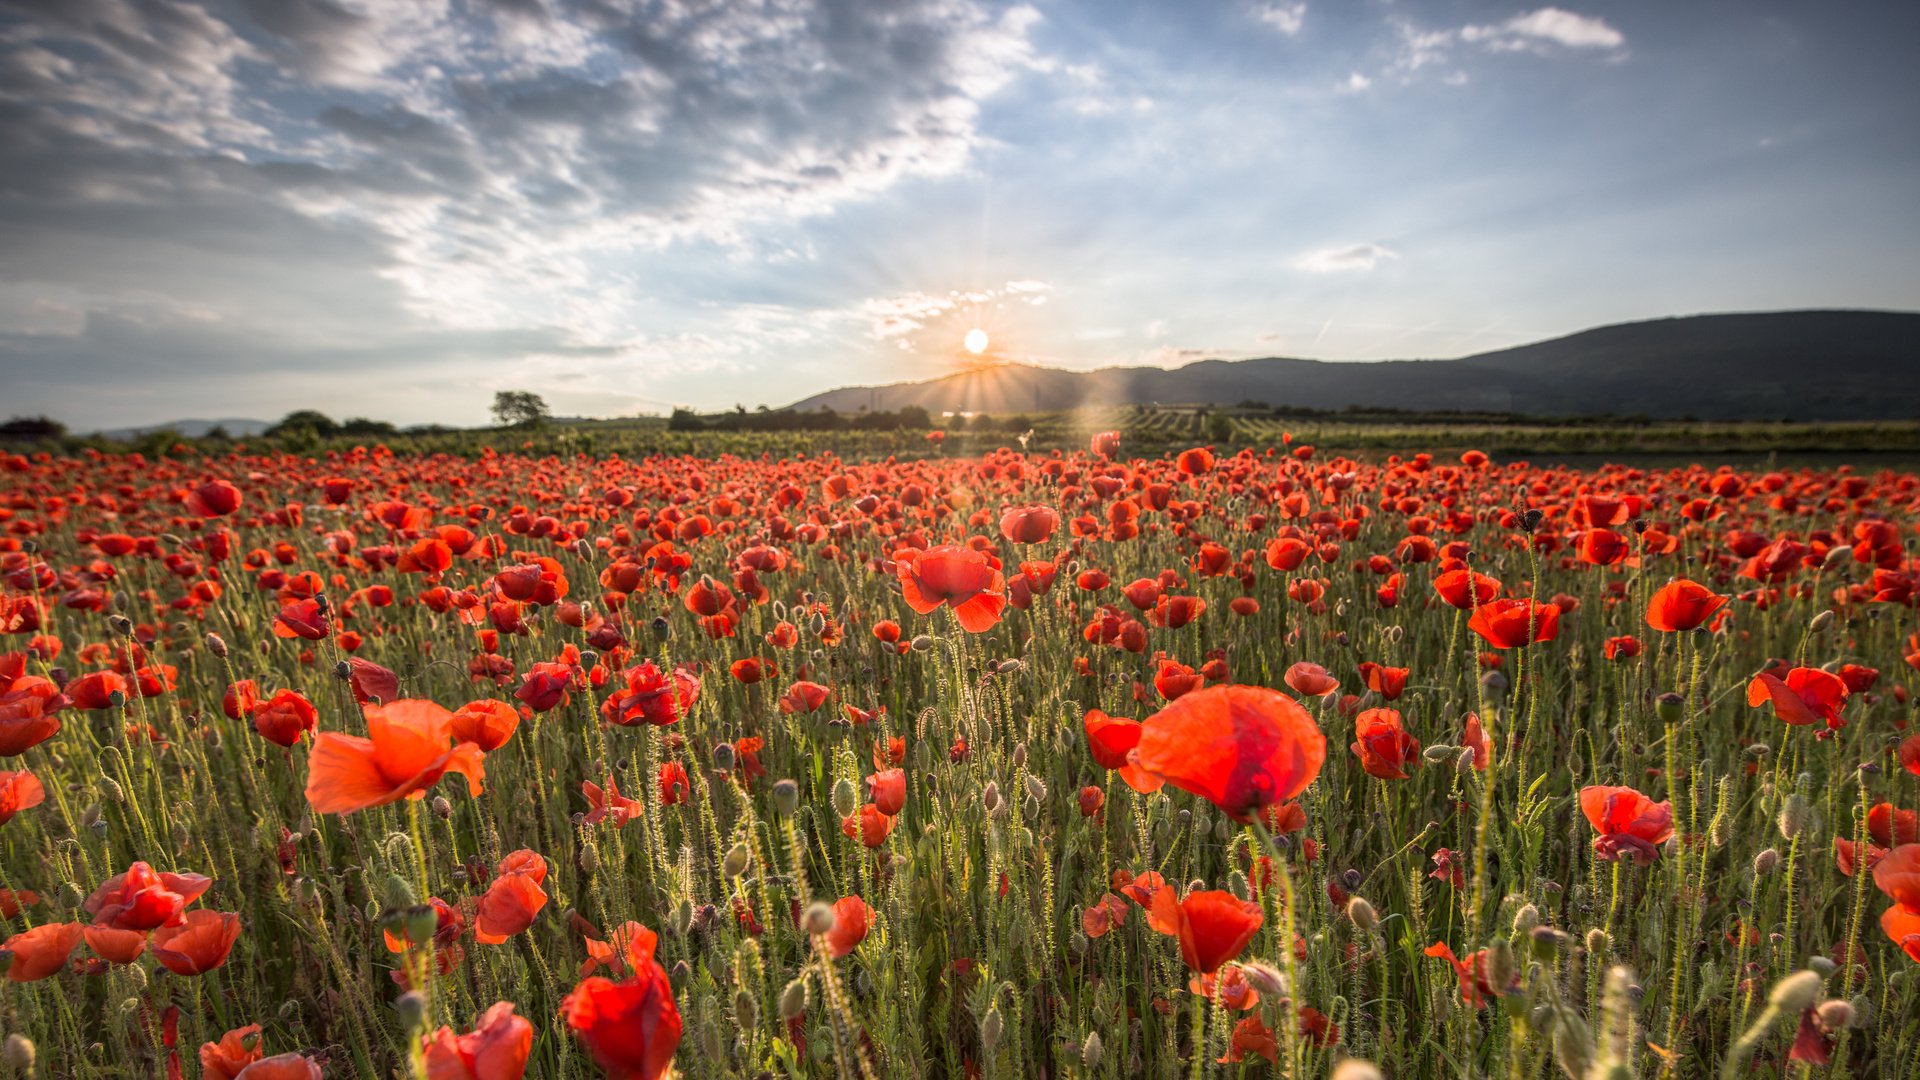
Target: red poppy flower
[851, 920]
[1111, 739]
[199, 945]
[673, 782]
[1476, 740]
[1029, 525]
[1805, 696]
[1195, 462]
[1310, 680]
[513, 899]
[1622, 648]
[609, 804]
[486, 723]
[1628, 822]
[305, 619]
[1174, 680]
[1287, 553]
[631, 1028]
[1846, 855]
[888, 790]
[652, 697]
[1382, 744]
[624, 951]
[1251, 1036]
[371, 682]
[1388, 682]
[1890, 827]
[94, 690]
[215, 498]
[1476, 984]
[240, 699]
[1465, 589]
[1682, 605]
[1243, 747]
[1213, 927]
[1512, 624]
[41, 951]
[405, 753]
[116, 946]
[803, 697]
[959, 577]
[141, 899]
[284, 717]
[1091, 800]
[19, 791]
[869, 826]
[495, 1049]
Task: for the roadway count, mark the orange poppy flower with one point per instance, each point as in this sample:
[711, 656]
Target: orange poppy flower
[19, 791]
[306, 619]
[1029, 525]
[1846, 855]
[1898, 876]
[199, 945]
[1110, 739]
[515, 897]
[1388, 682]
[236, 1050]
[1512, 624]
[888, 790]
[959, 577]
[609, 804]
[1243, 747]
[851, 920]
[1889, 827]
[94, 690]
[284, 717]
[405, 753]
[143, 900]
[1465, 589]
[41, 951]
[1250, 1036]
[281, 1067]
[803, 697]
[631, 1028]
[1310, 680]
[1382, 744]
[495, 1049]
[1213, 927]
[486, 723]
[116, 946]
[1682, 605]
[869, 826]
[623, 953]
[1628, 822]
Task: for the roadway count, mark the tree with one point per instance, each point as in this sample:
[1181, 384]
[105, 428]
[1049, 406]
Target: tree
[519, 408]
[311, 421]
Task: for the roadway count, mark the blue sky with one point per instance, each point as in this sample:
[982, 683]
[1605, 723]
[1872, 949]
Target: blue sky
[396, 208]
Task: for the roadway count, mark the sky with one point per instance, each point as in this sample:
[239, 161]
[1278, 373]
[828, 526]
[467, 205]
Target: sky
[396, 208]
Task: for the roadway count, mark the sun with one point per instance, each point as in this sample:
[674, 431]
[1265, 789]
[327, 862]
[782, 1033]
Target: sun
[976, 341]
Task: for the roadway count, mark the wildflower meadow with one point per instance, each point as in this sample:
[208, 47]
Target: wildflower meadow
[1040, 765]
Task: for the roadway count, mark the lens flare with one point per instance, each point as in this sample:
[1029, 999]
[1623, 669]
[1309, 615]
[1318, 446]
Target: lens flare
[976, 341]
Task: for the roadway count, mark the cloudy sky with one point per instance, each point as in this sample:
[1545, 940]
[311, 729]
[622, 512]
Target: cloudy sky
[394, 208]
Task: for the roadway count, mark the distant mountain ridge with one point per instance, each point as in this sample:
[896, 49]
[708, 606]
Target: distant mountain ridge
[1796, 365]
[193, 429]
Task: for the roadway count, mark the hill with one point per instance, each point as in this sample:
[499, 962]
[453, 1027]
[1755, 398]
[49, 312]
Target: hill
[1794, 365]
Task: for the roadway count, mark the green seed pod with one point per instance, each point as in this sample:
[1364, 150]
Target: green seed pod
[723, 756]
[1437, 753]
[1670, 708]
[1036, 788]
[421, 922]
[1820, 622]
[737, 860]
[1362, 914]
[845, 799]
[111, 789]
[922, 643]
[793, 1000]
[786, 797]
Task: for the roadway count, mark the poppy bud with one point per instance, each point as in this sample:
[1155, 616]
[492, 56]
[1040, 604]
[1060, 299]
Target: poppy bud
[991, 1028]
[922, 643]
[1821, 621]
[1090, 1051]
[1501, 968]
[442, 809]
[1526, 919]
[786, 796]
[1080, 943]
[398, 894]
[1794, 993]
[1598, 942]
[216, 645]
[1759, 751]
[793, 1000]
[1020, 756]
[746, 1011]
[1162, 831]
[1822, 966]
[1494, 680]
[1546, 942]
[1862, 1007]
[111, 789]
[412, 1007]
[1793, 816]
[1265, 978]
[1437, 753]
[308, 891]
[736, 861]
[1031, 808]
[990, 798]
[1362, 914]
[1036, 788]
[20, 1054]
[121, 625]
[589, 858]
[817, 625]
[1010, 667]
[1764, 862]
[343, 671]
[1834, 1014]
[845, 799]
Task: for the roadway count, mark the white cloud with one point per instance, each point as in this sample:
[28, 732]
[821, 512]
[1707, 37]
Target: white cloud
[1283, 17]
[1340, 259]
[1550, 25]
[1156, 329]
[1356, 82]
[1102, 334]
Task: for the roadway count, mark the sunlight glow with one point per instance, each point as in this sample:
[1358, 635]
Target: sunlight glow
[976, 341]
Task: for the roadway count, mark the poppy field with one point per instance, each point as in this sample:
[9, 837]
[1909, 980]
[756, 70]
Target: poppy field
[1055, 765]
